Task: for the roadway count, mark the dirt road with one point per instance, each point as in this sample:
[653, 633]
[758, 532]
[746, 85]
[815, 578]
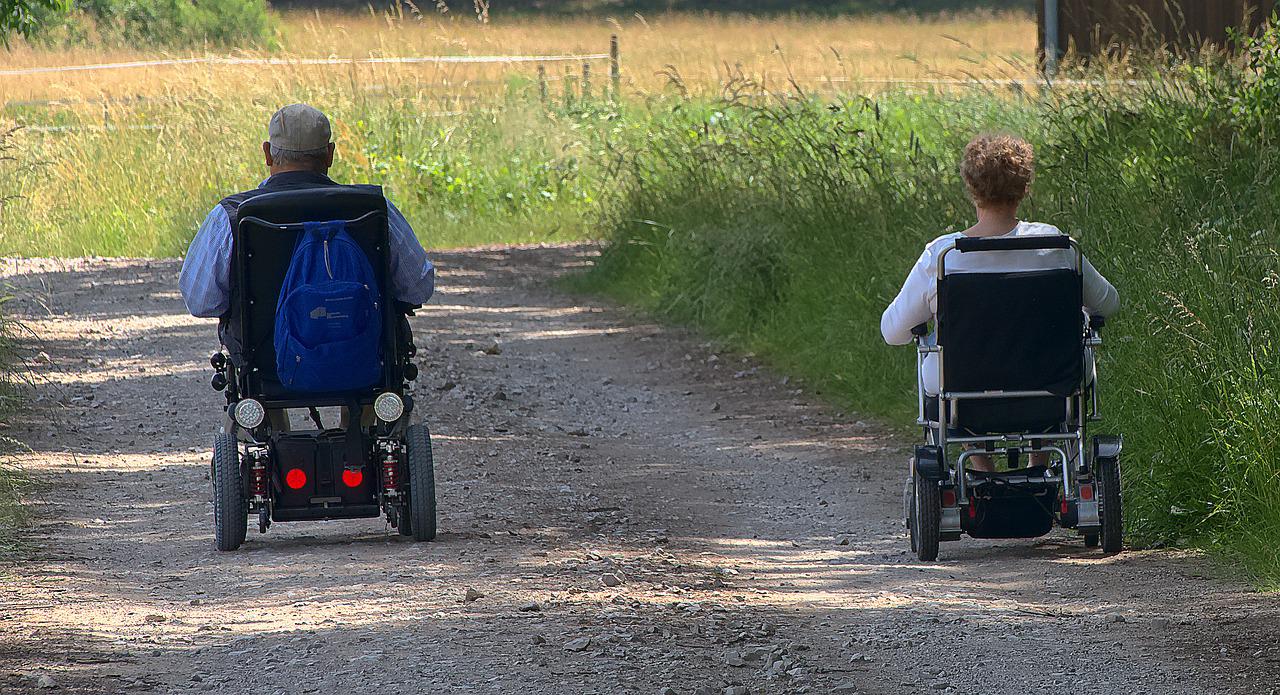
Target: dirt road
[638, 512]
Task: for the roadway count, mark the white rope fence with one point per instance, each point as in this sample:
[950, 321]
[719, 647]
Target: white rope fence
[407, 60]
[978, 81]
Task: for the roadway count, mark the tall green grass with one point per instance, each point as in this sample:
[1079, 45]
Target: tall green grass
[139, 181]
[788, 227]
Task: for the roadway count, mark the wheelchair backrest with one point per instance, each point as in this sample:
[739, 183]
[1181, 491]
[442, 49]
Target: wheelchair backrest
[266, 233]
[1012, 330]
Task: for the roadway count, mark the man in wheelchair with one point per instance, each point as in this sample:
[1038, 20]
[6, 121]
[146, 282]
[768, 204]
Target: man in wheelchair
[312, 282]
[1008, 372]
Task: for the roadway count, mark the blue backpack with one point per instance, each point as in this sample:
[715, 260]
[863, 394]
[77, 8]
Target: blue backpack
[328, 334]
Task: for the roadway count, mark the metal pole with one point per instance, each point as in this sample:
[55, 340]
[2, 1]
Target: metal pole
[568, 85]
[615, 66]
[542, 82]
[586, 80]
[1051, 37]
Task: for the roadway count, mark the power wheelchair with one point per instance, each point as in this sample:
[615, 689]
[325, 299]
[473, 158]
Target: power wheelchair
[374, 462]
[1011, 352]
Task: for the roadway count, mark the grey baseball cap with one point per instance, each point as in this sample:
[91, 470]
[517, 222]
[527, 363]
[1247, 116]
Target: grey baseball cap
[299, 128]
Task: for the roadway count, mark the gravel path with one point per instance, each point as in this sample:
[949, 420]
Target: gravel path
[638, 512]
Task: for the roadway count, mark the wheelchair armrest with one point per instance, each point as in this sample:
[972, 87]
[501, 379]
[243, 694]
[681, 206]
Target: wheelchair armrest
[920, 334]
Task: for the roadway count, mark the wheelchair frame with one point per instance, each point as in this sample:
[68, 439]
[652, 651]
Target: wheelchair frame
[390, 455]
[1074, 474]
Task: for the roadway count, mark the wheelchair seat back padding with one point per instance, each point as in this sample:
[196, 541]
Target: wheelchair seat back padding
[1011, 331]
[263, 252]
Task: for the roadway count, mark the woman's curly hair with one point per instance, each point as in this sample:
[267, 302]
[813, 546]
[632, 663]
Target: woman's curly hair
[998, 169]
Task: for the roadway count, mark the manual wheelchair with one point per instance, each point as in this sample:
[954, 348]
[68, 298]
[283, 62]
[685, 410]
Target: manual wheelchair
[373, 461]
[1016, 382]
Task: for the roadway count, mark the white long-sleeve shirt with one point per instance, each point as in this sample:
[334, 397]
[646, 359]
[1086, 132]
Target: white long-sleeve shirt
[917, 302]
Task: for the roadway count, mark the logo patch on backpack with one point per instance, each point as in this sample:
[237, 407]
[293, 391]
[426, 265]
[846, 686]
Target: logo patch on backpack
[328, 332]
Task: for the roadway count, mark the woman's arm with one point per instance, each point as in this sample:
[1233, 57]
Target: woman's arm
[1100, 297]
[911, 307]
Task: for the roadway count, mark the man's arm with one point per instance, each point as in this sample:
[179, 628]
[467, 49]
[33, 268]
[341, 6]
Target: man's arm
[205, 280]
[413, 278]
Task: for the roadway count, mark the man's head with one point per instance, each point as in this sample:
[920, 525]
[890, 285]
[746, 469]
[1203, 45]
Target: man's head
[997, 170]
[298, 140]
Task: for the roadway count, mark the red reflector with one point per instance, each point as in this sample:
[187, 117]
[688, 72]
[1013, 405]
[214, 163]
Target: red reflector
[295, 478]
[1064, 507]
[1086, 492]
[973, 510]
[948, 498]
[352, 477]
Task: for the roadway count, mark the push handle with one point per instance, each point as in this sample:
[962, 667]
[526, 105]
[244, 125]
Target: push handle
[1017, 243]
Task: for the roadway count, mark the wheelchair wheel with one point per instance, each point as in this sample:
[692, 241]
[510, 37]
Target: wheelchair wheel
[404, 524]
[1110, 505]
[421, 510]
[925, 519]
[230, 512]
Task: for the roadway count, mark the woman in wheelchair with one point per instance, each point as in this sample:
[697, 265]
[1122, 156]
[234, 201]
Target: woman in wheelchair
[1000, 303]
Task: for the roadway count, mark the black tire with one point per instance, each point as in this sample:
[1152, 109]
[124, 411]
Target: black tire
[230, 511]
[404, 524]
[1110, 504]
[422, 484]
[926, 518]
[908, 508]
[1090, 540]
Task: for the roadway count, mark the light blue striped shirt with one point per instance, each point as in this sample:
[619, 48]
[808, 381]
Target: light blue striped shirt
[205, 280]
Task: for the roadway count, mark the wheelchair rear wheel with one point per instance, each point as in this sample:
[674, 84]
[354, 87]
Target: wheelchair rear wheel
[925, 520]
[1110, 504]
[230, 512]
[404, 524]
[421, 511]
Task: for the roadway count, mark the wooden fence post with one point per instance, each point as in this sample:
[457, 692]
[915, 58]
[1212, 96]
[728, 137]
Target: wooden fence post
[542, 82]
[568, 85]
[586, 80]
[615, 67]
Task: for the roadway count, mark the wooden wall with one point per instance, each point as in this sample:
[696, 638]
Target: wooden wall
[1094, 26]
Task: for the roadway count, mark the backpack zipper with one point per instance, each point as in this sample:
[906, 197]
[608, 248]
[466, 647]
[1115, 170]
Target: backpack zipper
[327, 267]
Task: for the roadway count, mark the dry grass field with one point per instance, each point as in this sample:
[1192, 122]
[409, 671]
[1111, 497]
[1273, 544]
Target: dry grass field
[700, 51]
